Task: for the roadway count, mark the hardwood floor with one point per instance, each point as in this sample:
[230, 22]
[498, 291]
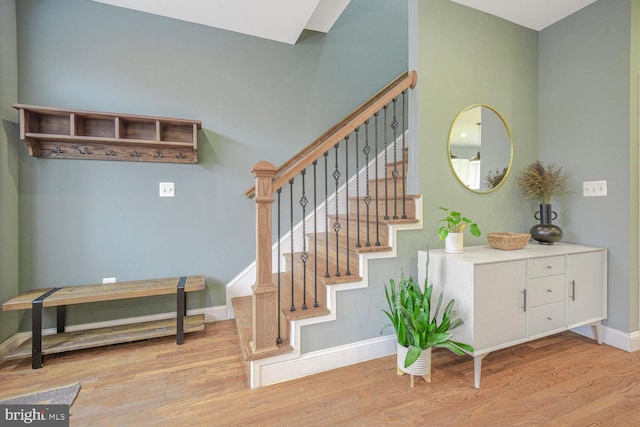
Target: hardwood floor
[563, 380]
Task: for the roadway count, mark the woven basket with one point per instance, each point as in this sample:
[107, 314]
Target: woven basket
[508, 241]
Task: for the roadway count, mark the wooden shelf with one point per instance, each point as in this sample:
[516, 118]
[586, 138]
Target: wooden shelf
[73, 134]
[78, 340]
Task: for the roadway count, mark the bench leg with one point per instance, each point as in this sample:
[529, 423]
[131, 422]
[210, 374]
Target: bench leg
[36, 335]
[61, 318]
[37, 359]
[181, 311]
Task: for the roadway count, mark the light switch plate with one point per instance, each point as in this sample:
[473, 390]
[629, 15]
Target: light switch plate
[167, 189]
[594, 188]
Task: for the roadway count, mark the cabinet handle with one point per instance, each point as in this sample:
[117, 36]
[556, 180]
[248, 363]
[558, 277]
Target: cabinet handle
[524, 291]
[549, 290]
[548, 318]
[549, 267]
[573, 290]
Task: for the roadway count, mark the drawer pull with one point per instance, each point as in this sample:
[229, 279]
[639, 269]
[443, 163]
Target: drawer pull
[549, 267]
[549, 290]
[549, 318]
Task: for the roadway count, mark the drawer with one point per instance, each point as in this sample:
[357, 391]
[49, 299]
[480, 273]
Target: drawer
[540, 267]
[545, 318]
[545, 290]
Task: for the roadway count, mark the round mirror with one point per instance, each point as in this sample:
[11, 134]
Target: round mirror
[480, 148]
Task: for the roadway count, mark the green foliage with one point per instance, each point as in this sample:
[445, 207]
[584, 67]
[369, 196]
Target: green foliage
[416, 321]
[456, 223]
[543, 182]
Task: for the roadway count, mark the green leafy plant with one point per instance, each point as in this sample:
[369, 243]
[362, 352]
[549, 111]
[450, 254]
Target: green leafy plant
[543, 182]
[416, 321]
[456, 223]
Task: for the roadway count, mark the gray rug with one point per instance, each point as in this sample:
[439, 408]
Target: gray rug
[64, 395]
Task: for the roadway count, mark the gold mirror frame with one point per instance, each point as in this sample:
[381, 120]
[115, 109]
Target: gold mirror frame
[495, 167]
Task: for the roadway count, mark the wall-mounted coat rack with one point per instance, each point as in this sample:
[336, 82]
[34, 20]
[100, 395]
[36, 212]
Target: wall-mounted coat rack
[73, 134]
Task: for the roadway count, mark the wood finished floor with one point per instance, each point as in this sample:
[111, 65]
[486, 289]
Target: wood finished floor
[563, 380]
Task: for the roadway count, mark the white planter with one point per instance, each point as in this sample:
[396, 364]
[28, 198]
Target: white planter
[421, 367]
[454, 243]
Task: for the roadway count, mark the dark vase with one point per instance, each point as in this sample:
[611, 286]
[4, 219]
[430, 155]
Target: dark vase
[546, 233]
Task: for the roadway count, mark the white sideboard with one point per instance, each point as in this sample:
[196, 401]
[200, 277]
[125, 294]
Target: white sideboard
[510, 297]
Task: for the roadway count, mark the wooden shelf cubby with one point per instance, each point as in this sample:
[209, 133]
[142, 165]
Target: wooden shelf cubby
[74, 134]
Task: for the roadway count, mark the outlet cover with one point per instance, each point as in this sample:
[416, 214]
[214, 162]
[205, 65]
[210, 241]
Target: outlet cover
[167, 189]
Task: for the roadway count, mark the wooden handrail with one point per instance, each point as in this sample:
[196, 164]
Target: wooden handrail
[338, 132]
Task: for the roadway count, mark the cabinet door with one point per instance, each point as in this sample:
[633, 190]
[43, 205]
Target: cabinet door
[586, 288]
[500, 316]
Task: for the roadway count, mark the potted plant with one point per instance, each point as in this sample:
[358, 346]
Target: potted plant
[419, 326]
[543, 183]
[451, 232]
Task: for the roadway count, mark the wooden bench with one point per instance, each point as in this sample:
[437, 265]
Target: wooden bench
[38, 299]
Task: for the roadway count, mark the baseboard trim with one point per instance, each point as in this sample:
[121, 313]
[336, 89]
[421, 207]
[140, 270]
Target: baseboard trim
[622, 340]
[269, 373]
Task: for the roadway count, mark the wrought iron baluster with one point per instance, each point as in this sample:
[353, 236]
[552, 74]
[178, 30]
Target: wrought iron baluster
[375, 115]
[386, 191]
[279, 339]
[336, 223]
[367, 198]
[395, 172]
[358, 244]
[315, 235]
[404, 175]
[326, 214]
[293, 306]
[347, 272]
[304, 256]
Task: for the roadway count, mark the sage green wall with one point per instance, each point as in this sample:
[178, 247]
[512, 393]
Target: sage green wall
[589, 124]
[81, 221]
[8, 167]
[464, 57]
[469, 57]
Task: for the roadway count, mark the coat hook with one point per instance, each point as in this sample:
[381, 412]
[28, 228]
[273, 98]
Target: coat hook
[180, 156]
[84, 150]
[110, 153]
[135, 154]
[57, 150]
[157, 154]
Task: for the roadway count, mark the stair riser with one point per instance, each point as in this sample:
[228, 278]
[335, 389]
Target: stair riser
[380, 187]
[322, 267]
[392, 208]
[354, 226]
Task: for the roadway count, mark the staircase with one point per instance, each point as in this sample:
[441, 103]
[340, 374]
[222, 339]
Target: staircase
[328, 249]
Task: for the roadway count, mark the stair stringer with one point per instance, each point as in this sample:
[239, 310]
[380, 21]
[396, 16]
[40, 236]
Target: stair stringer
[286, 367]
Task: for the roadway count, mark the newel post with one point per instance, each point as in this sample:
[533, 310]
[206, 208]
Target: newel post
[265, 294]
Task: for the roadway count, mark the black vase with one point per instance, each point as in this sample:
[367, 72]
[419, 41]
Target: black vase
[546, 233]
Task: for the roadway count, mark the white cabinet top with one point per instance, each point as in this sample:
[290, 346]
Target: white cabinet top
[487, 255]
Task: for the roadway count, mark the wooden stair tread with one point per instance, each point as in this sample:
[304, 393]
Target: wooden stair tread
[78, 340]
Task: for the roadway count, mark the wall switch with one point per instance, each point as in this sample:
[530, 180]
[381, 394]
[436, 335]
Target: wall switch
[594, 188]
[167, 189]
[108, 280]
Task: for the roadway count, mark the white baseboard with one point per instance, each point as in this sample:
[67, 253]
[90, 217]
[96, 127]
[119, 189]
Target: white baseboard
[623, 340]
[268, 373]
